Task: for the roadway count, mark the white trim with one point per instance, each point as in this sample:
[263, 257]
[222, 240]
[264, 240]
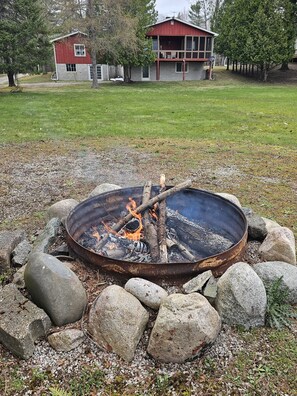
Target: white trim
[186, 66]
[68, 35]
[98, 79]
[184, 22]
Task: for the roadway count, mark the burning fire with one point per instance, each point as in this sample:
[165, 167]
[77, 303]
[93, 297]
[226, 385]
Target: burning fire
[134, 235]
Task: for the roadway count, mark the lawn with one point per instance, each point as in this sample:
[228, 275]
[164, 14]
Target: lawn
[229, 135]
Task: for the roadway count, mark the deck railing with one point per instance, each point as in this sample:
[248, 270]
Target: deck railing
[183, 54]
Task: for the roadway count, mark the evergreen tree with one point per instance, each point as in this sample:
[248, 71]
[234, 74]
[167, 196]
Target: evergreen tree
[260, 32]
[195, 14]
[23, 37]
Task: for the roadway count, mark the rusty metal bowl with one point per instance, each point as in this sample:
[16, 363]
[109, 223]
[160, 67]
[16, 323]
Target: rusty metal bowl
[198, 205]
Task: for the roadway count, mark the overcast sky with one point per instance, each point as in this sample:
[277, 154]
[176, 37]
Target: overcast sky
[171, 7]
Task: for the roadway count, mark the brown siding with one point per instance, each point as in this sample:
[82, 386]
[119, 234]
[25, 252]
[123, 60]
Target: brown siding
[65, 51]
[176, 29]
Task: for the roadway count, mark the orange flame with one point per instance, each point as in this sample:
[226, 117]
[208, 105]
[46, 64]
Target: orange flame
[137, 234]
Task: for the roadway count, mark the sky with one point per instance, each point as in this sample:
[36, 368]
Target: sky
[171, 7]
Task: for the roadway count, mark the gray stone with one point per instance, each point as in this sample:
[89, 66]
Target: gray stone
[232, 198]
[184, 325]
[66, 340]
[55, 288]
[211, 288]
[102, 188]
[21, 322]
[18, 278]
[241, 298]
[47, 236]
[279, 245]
[270, 271]
[147, 292]
[8, 241]
[197, 283]
[270, 224]
[256, 225]
[61, 209]
[20, 253]
[117, 321]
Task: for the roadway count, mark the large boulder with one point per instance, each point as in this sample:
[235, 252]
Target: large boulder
[21, 322]
[61, 209]
[55, 288]
[241, 297]
[279, 245]
[102, 188]
[256, 225]
[230, 197]
[184, 325]
[147, 292]
[271, 271]
[117, 321]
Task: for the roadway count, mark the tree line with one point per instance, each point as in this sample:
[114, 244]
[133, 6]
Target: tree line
[259, 33]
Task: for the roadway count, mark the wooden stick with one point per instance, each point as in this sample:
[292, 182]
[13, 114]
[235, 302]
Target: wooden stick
[149, 229]
[184, 251]
[162, 224]
[116, 227]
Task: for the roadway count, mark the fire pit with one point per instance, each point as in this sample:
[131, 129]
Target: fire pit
[213, 229]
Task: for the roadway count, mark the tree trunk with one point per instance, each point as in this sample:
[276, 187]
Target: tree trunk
[95, 84]
[127, 73]
[11, 82]
[284, 66]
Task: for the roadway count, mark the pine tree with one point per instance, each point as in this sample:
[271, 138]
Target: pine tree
[195, 14]
[24, 41]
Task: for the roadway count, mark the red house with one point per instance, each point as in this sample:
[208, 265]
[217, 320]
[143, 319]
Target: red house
[73, 62]
[181, 52]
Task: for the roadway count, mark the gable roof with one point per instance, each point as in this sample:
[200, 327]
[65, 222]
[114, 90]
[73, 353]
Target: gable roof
[184, 22]
[68, 35]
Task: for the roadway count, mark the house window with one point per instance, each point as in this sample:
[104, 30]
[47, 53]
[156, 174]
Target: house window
[145, 72]
[179, 67]
[79, 50]
[99, 72]
[71, 67]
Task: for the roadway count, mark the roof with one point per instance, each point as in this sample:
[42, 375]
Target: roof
[68, 35]
[185, 23]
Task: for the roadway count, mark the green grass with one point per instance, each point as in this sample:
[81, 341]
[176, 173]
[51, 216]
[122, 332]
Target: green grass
[235, 111]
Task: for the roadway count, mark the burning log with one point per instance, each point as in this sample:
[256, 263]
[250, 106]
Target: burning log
[162, 224]
[120, 224]
[149, 229]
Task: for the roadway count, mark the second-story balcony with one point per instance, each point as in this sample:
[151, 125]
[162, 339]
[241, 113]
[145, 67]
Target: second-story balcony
[188, 55]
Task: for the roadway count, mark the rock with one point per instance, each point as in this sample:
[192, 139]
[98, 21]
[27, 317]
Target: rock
[18, 278]
[47, 237]
[55, 288]
[279, 245]
[20, 253]
[117, 321]
[66, 340]
[270, 271]
[270, 224]
[61, 209]
[241, 298]
[8, 241]
[184, 325]
[102, 188]
[197, 283]
[256, 225]
[21, 322]
[211, 288]
[147, 292]
[232, 198]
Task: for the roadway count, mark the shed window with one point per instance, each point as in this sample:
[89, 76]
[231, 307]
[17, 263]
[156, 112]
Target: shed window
[79, 50]
[71, 67]
[179, 67]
